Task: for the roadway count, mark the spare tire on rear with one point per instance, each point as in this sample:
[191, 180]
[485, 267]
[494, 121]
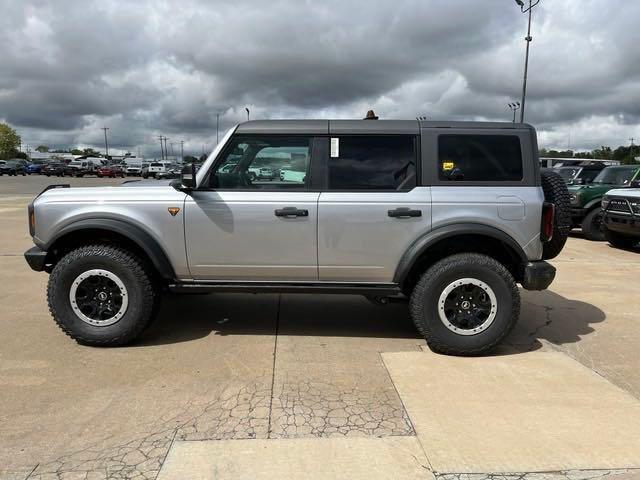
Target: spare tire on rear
[555, 191]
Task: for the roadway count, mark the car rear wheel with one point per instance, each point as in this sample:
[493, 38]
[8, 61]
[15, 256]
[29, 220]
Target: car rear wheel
[102, 295]
[465, 304]
[592, 227]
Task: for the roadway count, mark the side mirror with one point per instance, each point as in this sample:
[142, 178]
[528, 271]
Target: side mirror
[187, 177]
[579, 181]
[635, 184]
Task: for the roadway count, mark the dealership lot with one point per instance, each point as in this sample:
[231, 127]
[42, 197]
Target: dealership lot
[305, 374]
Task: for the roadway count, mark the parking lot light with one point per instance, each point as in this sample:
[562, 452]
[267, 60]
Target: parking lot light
[528, 38]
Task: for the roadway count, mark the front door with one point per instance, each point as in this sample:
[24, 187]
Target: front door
[256, 220]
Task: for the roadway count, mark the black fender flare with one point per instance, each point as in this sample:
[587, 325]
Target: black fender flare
[137, 235]
[422, 244]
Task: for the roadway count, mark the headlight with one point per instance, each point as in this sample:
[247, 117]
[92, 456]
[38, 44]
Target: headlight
[635, 206]
[574, 198]
[605, 203]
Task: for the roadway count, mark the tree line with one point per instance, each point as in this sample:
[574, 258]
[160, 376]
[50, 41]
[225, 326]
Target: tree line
[625, 154]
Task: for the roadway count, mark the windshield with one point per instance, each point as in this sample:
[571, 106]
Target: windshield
[615, 175]
[568, 173]
[12, 163]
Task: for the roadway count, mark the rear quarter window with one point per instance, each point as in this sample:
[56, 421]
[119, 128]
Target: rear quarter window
[480, 158]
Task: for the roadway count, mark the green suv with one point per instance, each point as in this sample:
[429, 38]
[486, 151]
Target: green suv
[585, 199]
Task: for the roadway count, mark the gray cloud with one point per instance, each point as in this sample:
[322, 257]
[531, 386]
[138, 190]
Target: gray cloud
[146, 68]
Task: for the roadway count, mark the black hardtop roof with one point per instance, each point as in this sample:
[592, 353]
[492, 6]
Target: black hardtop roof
[327, 127]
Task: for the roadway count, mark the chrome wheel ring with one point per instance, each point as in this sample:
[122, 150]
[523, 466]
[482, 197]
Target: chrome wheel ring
[98, 297]
[467, 306]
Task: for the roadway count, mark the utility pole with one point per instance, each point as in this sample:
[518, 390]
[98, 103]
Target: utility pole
[217, 127]
[166, 151]
[182, 151]
[631, 159]
[172, 144]
[161, 148]
[106, 144]
[528, 39]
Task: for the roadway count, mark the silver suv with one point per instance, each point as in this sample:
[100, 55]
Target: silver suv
[448, 216]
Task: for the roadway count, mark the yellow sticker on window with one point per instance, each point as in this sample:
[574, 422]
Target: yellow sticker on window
[448, 165]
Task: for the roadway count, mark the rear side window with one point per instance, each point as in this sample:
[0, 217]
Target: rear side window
[480, 158]
[380, 162]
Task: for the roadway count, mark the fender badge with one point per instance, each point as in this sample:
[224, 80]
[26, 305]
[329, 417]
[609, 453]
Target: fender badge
[173, 211]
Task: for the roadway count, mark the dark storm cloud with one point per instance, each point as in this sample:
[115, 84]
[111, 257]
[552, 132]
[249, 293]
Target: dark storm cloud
[144, 68]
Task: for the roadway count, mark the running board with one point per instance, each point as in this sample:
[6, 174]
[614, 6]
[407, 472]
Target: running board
[378, 290]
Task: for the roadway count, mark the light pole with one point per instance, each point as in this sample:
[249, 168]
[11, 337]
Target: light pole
[514, 106]
[247, 113]
[182, 151]
[528, 38]
[217, 127]
[106, 144]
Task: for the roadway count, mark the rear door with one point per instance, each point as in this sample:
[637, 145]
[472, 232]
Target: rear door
[254, 228]
[372, 207]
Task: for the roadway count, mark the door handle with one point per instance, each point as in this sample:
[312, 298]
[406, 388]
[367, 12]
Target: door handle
[404, 213]
[291, 212]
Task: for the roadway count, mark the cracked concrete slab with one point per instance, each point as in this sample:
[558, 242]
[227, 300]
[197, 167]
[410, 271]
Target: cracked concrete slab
[536, 411]
[309, 458]
[329, 377]
[624, 474]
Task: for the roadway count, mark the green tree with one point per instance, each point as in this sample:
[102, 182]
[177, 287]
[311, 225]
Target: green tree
[9, 141]
[42, 148]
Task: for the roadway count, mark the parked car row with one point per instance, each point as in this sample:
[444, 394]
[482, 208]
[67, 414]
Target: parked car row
[13, 167]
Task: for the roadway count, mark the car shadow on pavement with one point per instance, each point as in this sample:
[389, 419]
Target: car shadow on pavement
[545, 316]
[183, 318]
[549, 317]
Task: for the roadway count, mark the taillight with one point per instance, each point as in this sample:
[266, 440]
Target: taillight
[546, 227]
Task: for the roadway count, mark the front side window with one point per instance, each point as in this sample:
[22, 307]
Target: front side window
[381, 162]
[479, 158]
[616, 175]
[264, 162]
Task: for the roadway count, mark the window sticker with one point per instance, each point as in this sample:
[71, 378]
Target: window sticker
[335, 147]
[446, 165]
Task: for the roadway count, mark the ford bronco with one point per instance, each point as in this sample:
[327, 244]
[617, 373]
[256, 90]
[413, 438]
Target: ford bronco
[449, 216]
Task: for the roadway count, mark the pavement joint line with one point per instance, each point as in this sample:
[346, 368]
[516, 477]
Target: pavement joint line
[31, 472]
[430, 467]
[173, 438]
[273, 368]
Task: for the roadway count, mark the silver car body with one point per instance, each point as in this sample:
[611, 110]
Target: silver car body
[346, 237]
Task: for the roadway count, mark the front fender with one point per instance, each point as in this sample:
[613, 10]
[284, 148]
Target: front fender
[142, 239]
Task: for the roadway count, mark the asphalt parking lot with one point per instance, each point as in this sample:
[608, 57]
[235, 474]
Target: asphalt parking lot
[295, 369]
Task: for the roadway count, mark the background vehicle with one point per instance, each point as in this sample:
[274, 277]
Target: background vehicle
[80, 168]
[581, 174]
[35, 167]
[380, 214]
[586, 211]
[53, 168]
[112, 171]
[158, 167]
[171, 171]
[13, 167]
[621, 217]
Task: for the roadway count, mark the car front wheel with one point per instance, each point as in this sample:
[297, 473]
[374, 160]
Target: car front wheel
[592, 228]
[102, 295]
[465, 304]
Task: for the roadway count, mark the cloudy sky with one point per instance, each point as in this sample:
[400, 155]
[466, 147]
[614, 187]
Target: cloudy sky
[144, 69]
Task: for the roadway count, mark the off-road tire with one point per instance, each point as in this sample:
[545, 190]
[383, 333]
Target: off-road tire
[620, 240]
[423, 304]
[556, 192]
[590, 227]
[143, 294]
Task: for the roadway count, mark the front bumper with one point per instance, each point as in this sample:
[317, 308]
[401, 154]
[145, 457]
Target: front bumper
[621, 223]
[36, 258]
[538, 275]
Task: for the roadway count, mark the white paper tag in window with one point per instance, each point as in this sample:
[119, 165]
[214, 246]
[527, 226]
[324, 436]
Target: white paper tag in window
[335, 147]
